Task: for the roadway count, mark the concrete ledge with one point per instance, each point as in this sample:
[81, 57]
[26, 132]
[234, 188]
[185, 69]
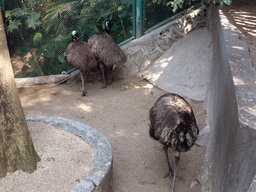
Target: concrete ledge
[101, 176]
[31, 81]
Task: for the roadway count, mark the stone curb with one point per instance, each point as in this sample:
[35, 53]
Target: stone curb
[42, 80]
[101, 176]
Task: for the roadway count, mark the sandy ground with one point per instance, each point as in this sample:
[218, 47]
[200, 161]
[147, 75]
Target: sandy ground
[62, 165]
[120, 112]
[243, 14]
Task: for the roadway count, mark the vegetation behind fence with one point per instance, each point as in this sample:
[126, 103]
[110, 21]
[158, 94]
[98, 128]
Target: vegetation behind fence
[39, 30]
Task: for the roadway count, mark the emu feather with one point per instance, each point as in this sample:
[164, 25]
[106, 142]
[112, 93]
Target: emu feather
[78, 54]
[172, 123]
[107, 53]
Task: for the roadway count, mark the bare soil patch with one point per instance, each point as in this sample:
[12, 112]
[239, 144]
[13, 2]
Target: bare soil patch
[120, 112]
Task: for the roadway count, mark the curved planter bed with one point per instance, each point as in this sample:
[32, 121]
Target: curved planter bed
[101, 176]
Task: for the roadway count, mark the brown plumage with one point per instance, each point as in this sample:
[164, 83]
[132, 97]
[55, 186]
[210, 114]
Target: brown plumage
[78, 54]
[172, 123]
[107, 54]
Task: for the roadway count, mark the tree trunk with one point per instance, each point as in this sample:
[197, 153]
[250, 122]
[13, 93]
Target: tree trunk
[16, 147]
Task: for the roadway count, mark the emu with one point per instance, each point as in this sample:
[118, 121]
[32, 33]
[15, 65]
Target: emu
[172, 123]
[107, 53]
[78, 54]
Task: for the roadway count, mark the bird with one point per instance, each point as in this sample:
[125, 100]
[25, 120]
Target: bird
[173, 124]
[107, 53]
[78, 54]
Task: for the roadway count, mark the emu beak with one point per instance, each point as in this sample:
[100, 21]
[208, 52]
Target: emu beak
[182, 137]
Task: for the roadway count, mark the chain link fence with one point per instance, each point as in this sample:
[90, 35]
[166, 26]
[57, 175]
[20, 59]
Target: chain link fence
[39, 30]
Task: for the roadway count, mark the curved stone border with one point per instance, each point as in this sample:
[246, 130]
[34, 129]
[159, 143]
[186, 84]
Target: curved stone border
[101, 176]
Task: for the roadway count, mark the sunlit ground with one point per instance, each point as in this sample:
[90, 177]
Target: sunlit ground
[244, 15]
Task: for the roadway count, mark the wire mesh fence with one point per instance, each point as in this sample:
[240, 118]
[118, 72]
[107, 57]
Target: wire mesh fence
[39, 30]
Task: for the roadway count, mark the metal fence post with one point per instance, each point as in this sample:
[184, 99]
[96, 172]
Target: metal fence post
[3, 5]
[139, 18]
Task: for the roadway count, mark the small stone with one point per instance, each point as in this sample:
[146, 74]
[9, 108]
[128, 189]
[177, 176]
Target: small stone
[50, 159]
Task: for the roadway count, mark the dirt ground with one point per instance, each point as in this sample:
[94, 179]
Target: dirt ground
[120, 112]
[243, 16]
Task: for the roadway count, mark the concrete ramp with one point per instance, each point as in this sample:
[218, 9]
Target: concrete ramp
[185, 68]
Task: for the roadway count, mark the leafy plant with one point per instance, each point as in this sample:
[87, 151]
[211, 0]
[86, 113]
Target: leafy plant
[22, 18]
[88, 16]
[28, 39]
[176, 4]
[23, 24]
[221, 2]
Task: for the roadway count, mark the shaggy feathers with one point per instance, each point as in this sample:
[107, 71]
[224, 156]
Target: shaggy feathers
[107, 53]
[173, 123]
[78, 54]
[170, 117]
[106, 50]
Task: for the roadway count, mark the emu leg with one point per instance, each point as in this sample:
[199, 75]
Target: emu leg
[177, 160]
[104, 84]
[170, 172]
[83, 85]
[110, 75]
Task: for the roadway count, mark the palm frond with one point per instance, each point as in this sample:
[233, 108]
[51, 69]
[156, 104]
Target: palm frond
[57, 16]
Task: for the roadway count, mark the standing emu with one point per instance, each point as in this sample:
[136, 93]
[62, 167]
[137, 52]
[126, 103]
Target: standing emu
[172, 123]
[78, 54]
[107, 53]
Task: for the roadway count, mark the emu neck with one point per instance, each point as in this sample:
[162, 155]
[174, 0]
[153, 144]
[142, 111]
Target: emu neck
[107, 31]
[74, 39]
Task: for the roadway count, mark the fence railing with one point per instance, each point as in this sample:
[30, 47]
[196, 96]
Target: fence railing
[39, 30]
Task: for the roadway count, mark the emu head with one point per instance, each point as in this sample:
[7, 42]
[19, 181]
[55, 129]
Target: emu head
[182, 140]
[181, 132]
[74, 35]
[182, 137]
[108, 24]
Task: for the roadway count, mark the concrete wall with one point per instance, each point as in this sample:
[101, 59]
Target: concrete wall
[144, 51]
[231, 153]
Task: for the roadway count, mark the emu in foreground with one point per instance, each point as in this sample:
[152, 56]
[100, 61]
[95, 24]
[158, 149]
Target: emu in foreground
[172, 123]
[107, 53]
[78, 54]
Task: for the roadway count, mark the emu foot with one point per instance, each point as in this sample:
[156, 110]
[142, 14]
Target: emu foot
[103, 86]
[84, 93]
[109, 81]
[169, 173]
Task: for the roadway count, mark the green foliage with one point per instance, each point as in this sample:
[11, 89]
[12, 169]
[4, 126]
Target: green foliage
[43, 29]
[156, 13]
[22, 18]
[37, 39]
[14, 25]
[22, 30]
[89, 18]
[178, 4]
[221, 2]
[33, 20]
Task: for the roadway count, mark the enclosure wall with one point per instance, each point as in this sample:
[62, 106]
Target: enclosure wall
[231, 146]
